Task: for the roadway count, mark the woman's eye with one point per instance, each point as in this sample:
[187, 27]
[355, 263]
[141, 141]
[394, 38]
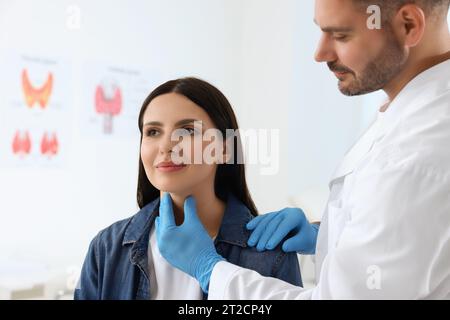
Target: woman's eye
[151, 133]
[190, 131]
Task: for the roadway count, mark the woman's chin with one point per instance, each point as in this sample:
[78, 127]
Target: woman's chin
[173, 190]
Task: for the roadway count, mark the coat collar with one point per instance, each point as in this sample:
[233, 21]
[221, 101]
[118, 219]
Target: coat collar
[416, 94]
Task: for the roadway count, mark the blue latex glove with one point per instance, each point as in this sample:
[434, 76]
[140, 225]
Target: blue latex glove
[269, 229]
[187, 247]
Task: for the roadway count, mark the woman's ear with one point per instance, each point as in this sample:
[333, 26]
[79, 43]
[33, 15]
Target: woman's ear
[409, 24]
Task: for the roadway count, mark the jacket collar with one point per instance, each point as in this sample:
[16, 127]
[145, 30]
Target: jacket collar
[232, 229]
[141, 222]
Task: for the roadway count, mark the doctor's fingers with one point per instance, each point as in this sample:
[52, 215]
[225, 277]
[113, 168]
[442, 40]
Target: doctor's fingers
[259, 230]
[299, 243]
[166, 217]
[257, 220]
[271, 229]
[284, 227]
[159, 233]
[190, 210]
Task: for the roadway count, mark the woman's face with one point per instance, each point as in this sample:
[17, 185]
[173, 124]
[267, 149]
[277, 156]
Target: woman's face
[165, 114]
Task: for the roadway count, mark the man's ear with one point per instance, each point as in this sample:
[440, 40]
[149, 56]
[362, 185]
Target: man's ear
[410, 23]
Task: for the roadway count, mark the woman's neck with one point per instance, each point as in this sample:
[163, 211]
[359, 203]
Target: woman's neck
[210, 209]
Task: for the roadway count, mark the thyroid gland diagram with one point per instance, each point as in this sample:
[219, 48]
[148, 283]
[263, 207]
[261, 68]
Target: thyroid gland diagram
[22, 144]
[108, 103]
[34, 95]
[49, 144]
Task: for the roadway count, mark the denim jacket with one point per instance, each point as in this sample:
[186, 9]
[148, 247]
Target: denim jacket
[116, 263]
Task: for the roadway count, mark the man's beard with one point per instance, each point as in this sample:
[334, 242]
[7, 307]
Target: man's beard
[377, 74]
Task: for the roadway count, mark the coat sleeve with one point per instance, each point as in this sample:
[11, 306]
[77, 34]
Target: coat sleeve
[88, 284]
[395, 246]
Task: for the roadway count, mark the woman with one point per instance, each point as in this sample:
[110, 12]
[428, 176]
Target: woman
[123, 261]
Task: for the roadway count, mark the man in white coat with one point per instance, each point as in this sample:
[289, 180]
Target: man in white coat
[385, 233]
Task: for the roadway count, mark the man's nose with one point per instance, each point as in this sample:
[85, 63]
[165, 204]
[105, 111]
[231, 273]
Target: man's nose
[325, 51]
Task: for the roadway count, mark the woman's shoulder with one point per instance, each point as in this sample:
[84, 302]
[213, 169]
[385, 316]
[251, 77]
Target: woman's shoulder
[115, 228]
[234, 230]
[232, 244]
[113, 233]
[234, 233]
[128, 229]
[269, 263]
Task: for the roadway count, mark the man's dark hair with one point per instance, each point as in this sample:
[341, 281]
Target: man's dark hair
[390, 7]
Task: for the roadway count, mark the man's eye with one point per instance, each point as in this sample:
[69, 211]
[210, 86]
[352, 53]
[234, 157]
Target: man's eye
[151, 133]
[340, 37]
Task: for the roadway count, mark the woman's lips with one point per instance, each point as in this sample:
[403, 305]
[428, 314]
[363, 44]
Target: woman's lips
[170, 167]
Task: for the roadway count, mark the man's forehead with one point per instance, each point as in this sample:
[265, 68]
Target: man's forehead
[336, 15]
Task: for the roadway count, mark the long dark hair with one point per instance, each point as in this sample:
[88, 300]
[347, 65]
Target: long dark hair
[230, 178]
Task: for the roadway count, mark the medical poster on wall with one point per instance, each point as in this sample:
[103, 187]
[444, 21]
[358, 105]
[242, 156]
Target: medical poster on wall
[112, 98]
[35, 107]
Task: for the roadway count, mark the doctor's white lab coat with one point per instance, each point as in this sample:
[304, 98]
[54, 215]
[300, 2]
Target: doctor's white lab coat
[385, 233]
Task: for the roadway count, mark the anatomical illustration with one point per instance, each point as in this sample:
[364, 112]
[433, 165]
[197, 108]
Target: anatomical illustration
[49, 144]
[33, 95]
[21, 144]
[108, 103]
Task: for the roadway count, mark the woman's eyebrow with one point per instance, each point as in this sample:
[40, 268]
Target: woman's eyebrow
[179, 123]
[187, 121]
[153, 123]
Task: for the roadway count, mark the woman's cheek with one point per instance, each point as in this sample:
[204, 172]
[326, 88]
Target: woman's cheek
[147, 157]
[183, 152]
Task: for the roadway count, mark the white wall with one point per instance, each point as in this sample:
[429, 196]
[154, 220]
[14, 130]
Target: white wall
[267, 88]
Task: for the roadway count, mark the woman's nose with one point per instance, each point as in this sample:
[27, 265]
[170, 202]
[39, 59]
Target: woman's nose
[166, 145]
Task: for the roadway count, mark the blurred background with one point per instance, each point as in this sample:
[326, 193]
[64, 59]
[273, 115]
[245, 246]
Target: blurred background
[73, 76]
